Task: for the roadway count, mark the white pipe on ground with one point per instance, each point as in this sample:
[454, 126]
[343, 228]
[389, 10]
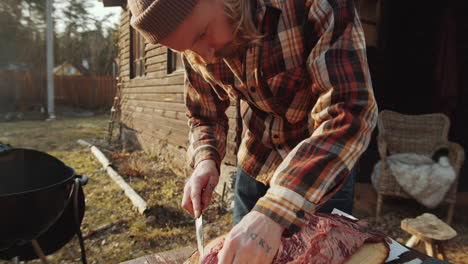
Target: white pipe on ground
[136, 199]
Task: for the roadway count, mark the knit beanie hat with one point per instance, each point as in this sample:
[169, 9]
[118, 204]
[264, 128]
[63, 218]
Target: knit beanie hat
[156, 19]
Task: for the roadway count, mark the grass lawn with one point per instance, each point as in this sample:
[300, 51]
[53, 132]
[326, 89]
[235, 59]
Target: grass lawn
[114, 231]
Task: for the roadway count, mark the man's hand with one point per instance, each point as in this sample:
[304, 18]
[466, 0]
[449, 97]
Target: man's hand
[255, 239]
[200, 187]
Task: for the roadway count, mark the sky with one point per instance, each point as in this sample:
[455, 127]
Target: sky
[100, 11]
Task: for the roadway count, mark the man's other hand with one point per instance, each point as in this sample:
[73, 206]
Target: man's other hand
[199, 188]
[255, 239]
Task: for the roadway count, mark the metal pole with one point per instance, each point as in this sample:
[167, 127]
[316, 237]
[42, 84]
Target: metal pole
[50, 62]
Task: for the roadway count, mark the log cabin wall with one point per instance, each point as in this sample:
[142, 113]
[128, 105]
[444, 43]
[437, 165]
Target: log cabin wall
[153, 113]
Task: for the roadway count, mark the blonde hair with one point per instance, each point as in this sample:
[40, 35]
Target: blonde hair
[240, 15]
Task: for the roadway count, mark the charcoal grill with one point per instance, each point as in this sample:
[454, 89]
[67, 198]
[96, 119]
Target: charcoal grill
[42, 204]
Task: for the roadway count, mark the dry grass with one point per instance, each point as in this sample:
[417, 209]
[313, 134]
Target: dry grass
[114, 231]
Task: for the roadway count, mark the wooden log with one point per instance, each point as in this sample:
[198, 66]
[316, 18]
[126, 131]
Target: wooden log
[84, 143]
[136, 199]
[158, 105]
[100, 156]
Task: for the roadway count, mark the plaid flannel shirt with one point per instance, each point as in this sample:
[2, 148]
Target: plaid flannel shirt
[307, 105]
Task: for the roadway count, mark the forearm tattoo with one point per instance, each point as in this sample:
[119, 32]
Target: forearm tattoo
[261, 242]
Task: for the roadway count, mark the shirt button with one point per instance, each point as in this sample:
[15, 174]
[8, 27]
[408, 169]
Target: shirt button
[294, 229]
[252, 89]
[275, 136]
[300, 214]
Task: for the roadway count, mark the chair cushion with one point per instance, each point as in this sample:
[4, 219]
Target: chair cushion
[420, 176]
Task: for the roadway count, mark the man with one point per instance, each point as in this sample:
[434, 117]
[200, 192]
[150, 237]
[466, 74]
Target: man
[300, 70]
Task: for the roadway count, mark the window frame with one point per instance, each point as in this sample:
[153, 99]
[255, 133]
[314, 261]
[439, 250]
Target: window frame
[174, 62]
[137, 54]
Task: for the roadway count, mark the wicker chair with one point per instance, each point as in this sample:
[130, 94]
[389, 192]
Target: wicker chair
[424, 134]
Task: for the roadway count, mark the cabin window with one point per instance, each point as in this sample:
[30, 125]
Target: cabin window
[137, 54]
[174, 61]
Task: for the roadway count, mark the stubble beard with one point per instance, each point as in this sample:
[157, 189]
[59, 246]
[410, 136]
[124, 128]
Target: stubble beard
[228, 51]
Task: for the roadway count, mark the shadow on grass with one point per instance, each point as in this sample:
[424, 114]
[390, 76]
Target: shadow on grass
[159, 216]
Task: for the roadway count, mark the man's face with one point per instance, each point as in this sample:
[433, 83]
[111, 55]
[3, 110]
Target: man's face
[206, 31]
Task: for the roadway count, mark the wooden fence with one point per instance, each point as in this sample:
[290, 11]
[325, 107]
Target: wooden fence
[85, 92]
[88, 92]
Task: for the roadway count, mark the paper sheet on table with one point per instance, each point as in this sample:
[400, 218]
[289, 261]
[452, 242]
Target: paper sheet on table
[396, 249]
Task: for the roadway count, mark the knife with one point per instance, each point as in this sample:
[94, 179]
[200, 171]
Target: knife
[200, 240]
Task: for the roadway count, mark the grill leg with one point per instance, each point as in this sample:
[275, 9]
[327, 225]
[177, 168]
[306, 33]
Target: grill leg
[15, 260]
[77, 221]
[39, 251]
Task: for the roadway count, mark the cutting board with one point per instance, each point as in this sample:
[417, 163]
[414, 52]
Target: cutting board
[369, 253]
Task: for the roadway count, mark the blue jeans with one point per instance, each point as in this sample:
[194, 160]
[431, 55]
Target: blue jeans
[247, 191]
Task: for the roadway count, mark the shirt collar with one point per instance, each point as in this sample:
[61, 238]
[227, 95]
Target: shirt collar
[263, 5]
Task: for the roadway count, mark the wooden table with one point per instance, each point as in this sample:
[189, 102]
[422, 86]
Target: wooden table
[178, 256]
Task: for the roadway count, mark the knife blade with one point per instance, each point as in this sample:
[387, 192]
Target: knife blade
[200, 238]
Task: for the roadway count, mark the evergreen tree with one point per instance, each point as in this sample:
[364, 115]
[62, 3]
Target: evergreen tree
[82, 37]
[86, 38]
